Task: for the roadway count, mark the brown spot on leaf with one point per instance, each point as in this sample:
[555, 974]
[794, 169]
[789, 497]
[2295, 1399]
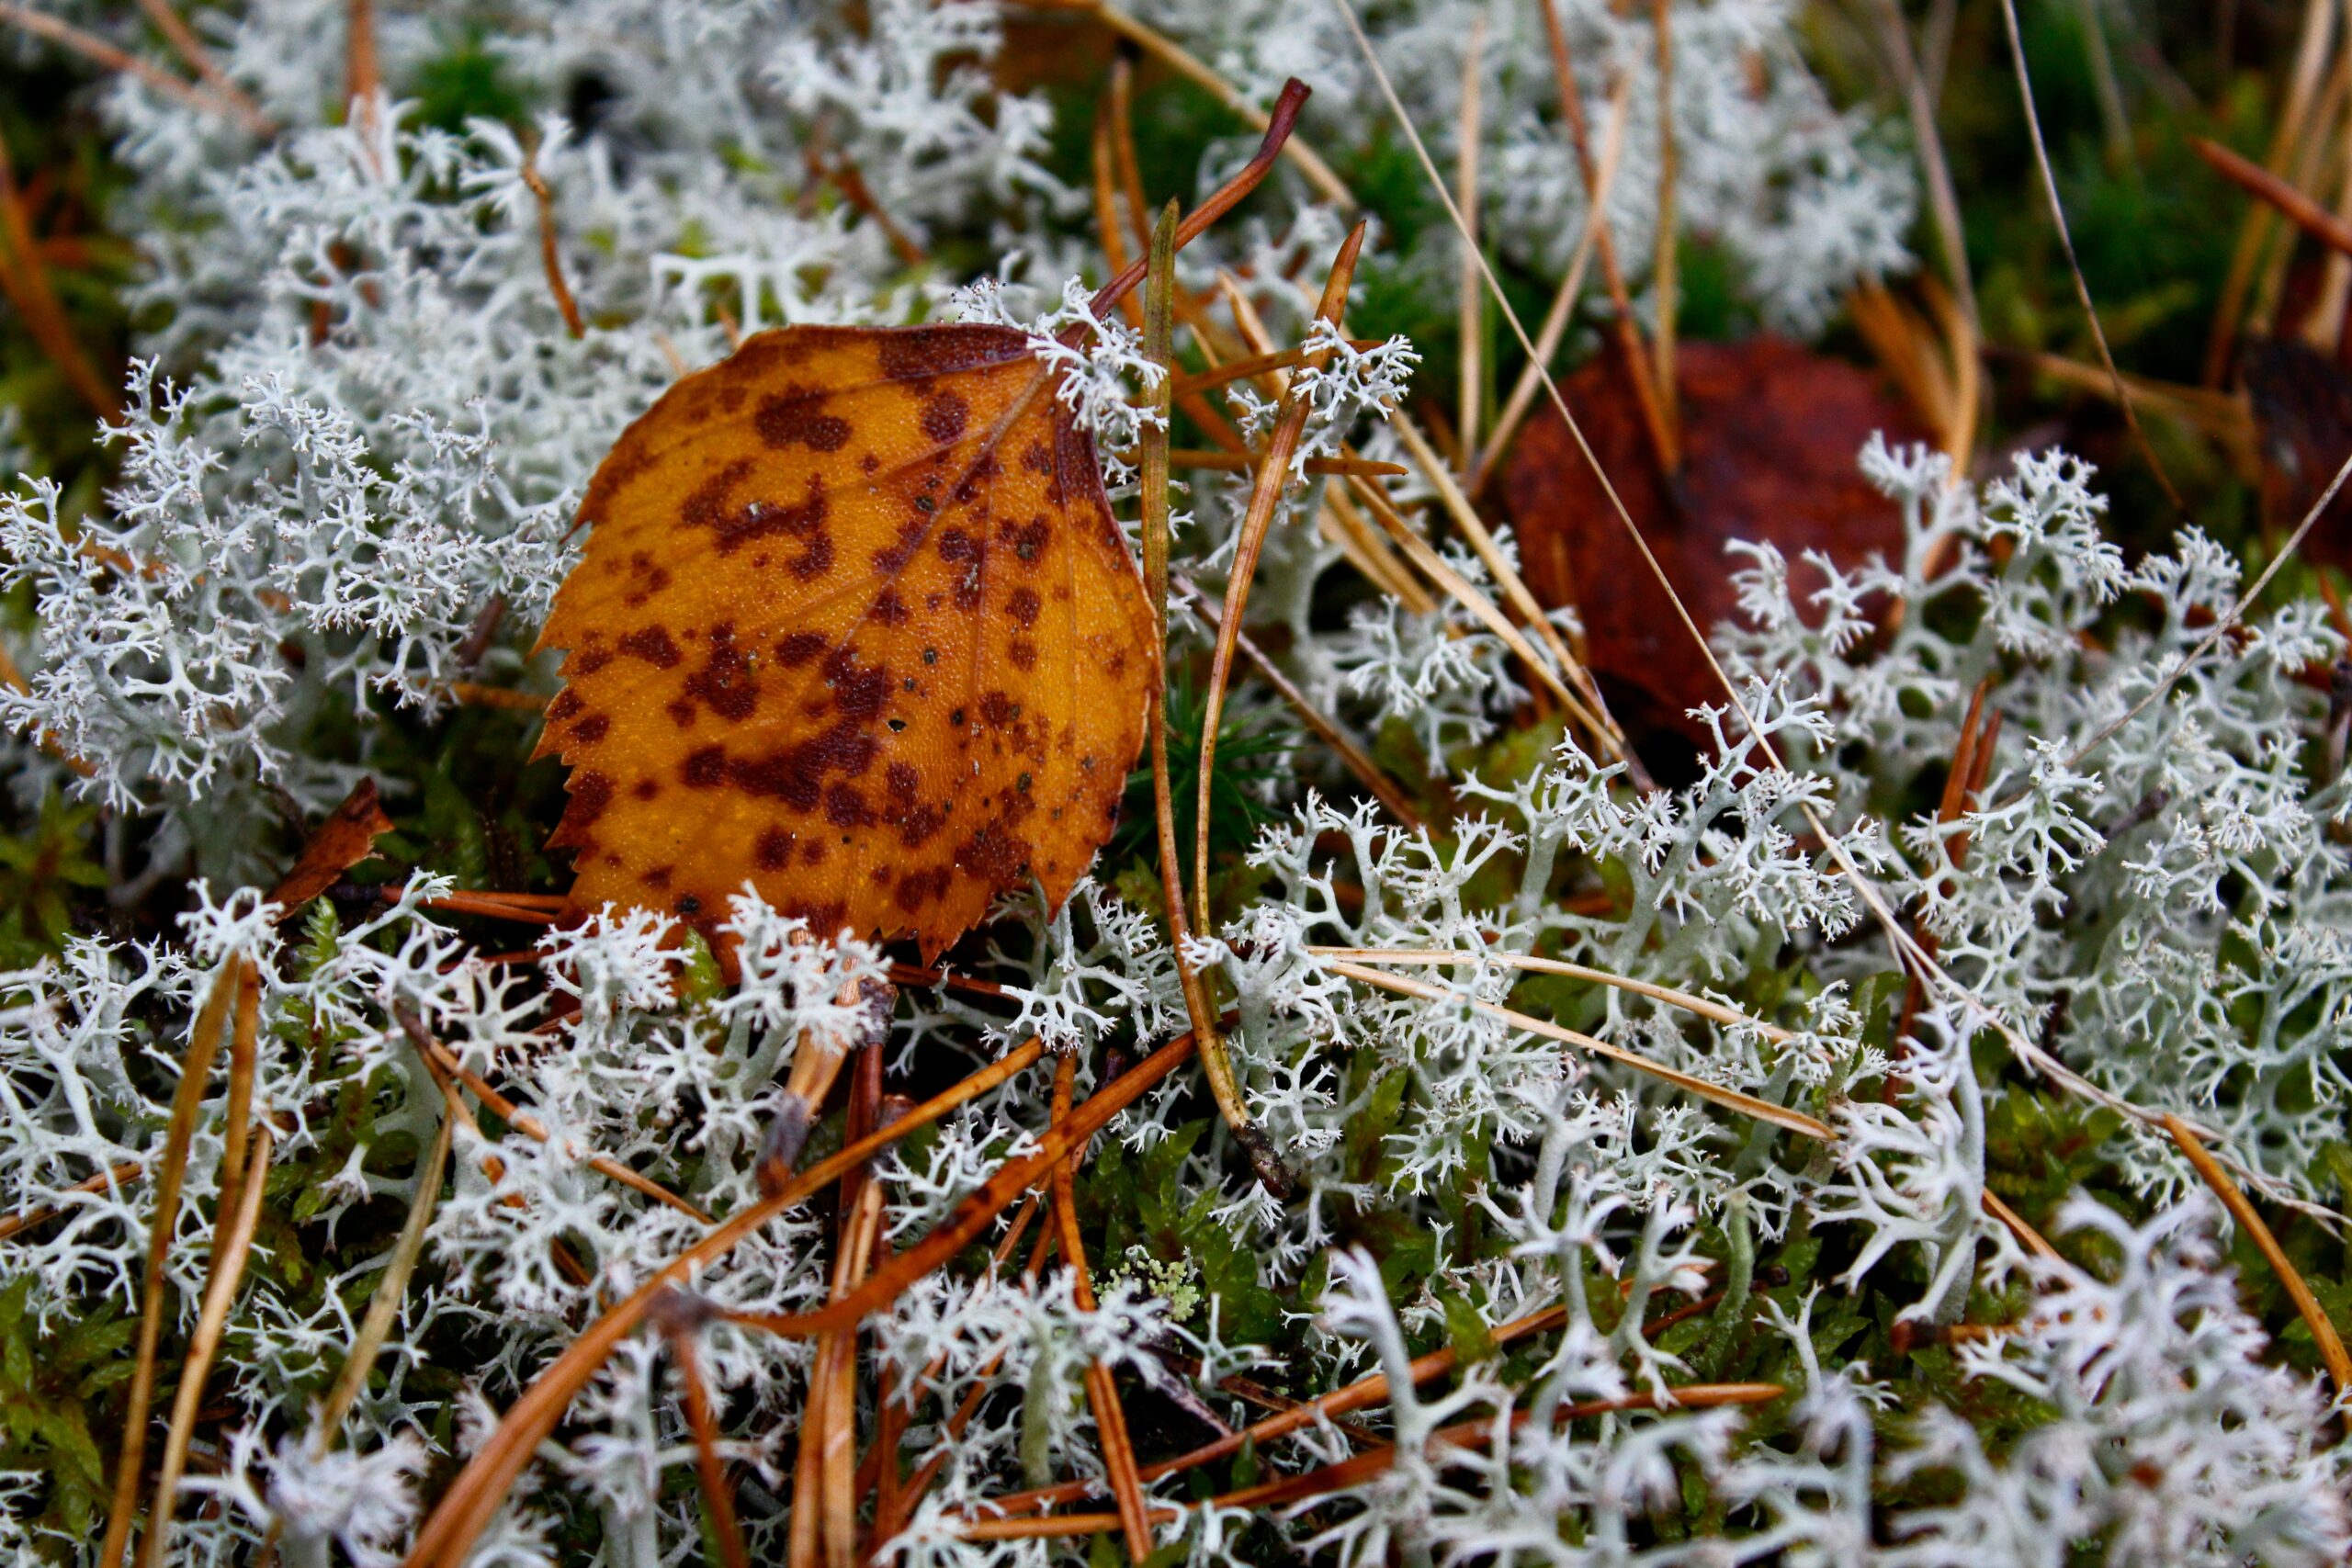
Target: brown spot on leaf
[652, 645]
[795, 417]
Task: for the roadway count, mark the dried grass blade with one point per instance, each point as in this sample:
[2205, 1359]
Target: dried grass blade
[234, 1244]
[195, 1071]
[384, 1305]
[1730, 1098]
[1265, 500]
[1468, 595]
[1472, 302]
[1352, 756]
[1686, 1001]
[2073, 267]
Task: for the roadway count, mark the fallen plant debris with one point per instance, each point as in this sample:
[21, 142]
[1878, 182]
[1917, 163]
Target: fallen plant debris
[950, 784]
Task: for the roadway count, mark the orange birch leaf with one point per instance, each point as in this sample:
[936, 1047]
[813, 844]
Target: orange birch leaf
[853, 624]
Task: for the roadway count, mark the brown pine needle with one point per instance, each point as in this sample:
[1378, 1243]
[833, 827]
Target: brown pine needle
[531, 1126]
[1299, 1415]
[1102, 1392]
[233, 1243]
[26, 1219]
[1667, 994]
[99, 53]
[710, 1470]
[446, 1536]
[1662, 270]
[24, 281]
[196, 1073]
[1730, 1098]
[990, 1199]
[550, 258]
[1363, 1467]
[2331, 1346]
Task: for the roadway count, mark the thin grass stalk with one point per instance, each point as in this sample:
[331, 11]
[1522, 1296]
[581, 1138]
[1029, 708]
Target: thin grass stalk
[196, 1072]
[1472, 303]
[1714, 1011]
[447, 1535]
[1554, 330]
[1265, 500]
[384, 1305]
[1730, 1098]
[2074, 266]
[1663, 269]
[1627, 326]
[234, 1244]
[1215, 1063]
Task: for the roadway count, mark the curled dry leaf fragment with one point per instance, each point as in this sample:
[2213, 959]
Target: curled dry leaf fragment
[854, 623]
[347, 836]
[1771, 432]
